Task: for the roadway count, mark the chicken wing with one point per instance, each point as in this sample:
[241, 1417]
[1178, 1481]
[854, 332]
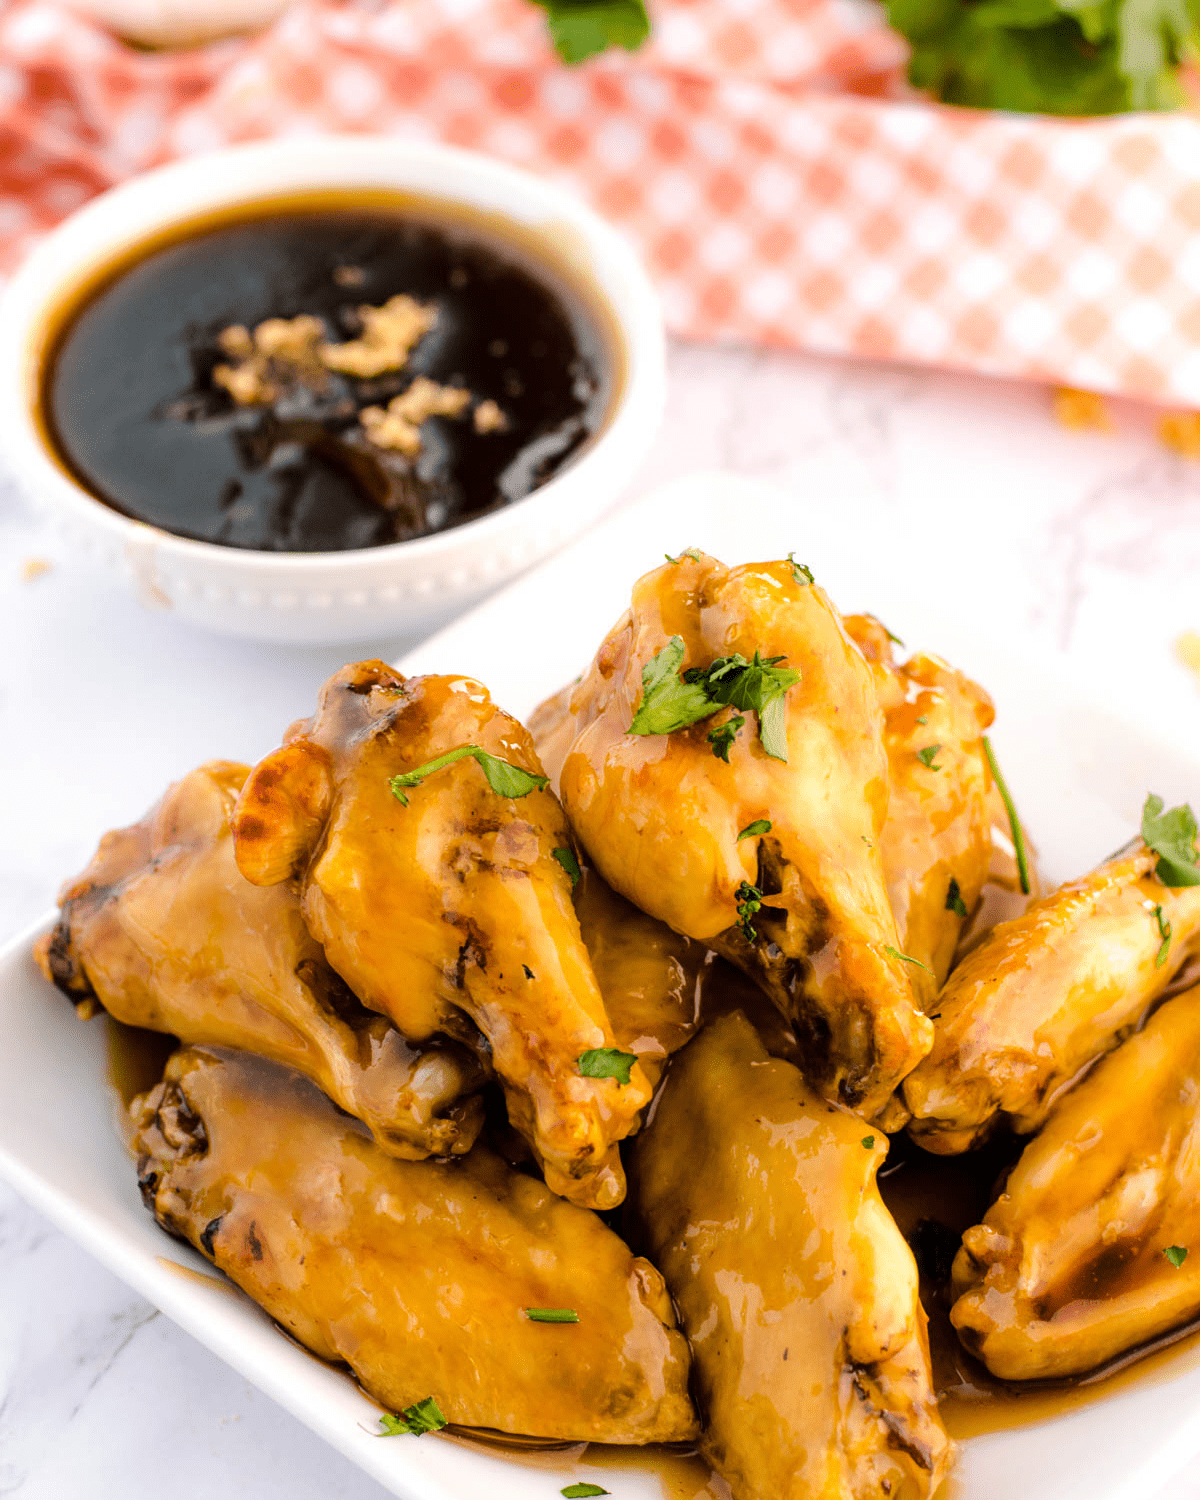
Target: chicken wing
[936, 842]
[1043, 996]
[164, 933]
[445, 906]
[774, 863]
[418, 1275]
[798, 1294]
[1094, 1246]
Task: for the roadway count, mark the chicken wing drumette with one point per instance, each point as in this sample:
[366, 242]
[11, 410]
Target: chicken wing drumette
[1094, 1245]
[163, 932]
[757, 1200]
[418, 1275]
[413, 818]
[773, 862]
[1042, 996]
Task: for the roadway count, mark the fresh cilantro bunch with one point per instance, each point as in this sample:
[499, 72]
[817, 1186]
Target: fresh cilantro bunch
[1058, 57]
[581, 28]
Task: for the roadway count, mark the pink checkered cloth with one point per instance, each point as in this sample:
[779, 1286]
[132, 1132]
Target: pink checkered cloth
[759, 152]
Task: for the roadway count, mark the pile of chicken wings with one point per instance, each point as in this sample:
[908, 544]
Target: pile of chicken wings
[542, 1076]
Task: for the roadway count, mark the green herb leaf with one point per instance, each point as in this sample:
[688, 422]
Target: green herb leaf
[1164, 931]
[1176, 1254]
[896, 641]
[954, 900]
[905, 958]
[772, 729]
[923, 719]
[566, 858]
[552, 1315]
[722, 737]
[1014, 822]
[869, 1142]
[422, 1416]
[926, 756]
[800, 571]
[504, 779]
[755, 829]
[668, 702]
[692, 552]
[579, 1491]
[580, 29]
[749, 904]
[1172, 836]
[606, 1062]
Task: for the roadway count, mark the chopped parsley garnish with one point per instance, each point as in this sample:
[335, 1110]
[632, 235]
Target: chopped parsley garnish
[1176, 1254]
[896, 641]
[673, 700]
[905, 958]
[722, 737]
[581, 1490]
[753, 830]
[504, 779]
[1164, 932]
[926, 756]
[749, 904]
[552, 1315]
[1014, 822]
[566, 858]
[922, 718]
[580, 29]
[1172, 836]
[801, 572]
[422, 1416]
[954, 900]
[869, 1142]
[606, 1062]
[692, 552]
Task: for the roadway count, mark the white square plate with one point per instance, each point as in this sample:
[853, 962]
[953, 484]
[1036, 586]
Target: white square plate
[1079, 774]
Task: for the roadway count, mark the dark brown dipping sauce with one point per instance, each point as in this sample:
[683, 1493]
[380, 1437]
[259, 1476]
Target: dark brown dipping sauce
[130, 403]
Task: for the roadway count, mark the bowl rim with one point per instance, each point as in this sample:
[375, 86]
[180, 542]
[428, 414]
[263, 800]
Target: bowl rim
[84, 242]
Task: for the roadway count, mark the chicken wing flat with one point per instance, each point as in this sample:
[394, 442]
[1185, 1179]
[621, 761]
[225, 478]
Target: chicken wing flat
[1094, 1246]
[163, 932]
[418, 1275]
[1043, 996]
[774, 863]
[798, 1294]
[442, 903]
[936, 842]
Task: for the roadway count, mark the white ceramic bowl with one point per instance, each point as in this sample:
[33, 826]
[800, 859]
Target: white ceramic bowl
[334, 596]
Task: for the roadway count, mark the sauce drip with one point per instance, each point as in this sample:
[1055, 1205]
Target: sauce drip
[130, 402]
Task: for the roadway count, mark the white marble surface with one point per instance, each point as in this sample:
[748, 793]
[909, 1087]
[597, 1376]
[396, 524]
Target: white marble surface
[1077, 543]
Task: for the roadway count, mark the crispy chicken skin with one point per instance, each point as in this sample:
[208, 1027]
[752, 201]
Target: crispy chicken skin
[164, 933]
[798, 1294]
[660, 815]
[450, 911]
[938, 828]
[1044, 995]
[1068, 1268]
[415, 1274]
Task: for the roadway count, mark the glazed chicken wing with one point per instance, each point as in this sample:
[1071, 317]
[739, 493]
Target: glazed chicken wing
[802, 903]
[1094, 1245]
[798, 1294]
[447, 909]
[415, 1274]
[936, 843]
[1043, 996]
[164, 933]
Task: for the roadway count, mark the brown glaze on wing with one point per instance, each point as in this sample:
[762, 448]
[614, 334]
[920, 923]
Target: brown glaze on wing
[798, 1294]
[938, 827]
[165, 933]
[660, 815]
[415, 1274]
[450, 910]
[1068, 1268]
[1043, 996]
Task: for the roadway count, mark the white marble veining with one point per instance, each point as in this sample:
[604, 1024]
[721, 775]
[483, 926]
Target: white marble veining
[1078, 543]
